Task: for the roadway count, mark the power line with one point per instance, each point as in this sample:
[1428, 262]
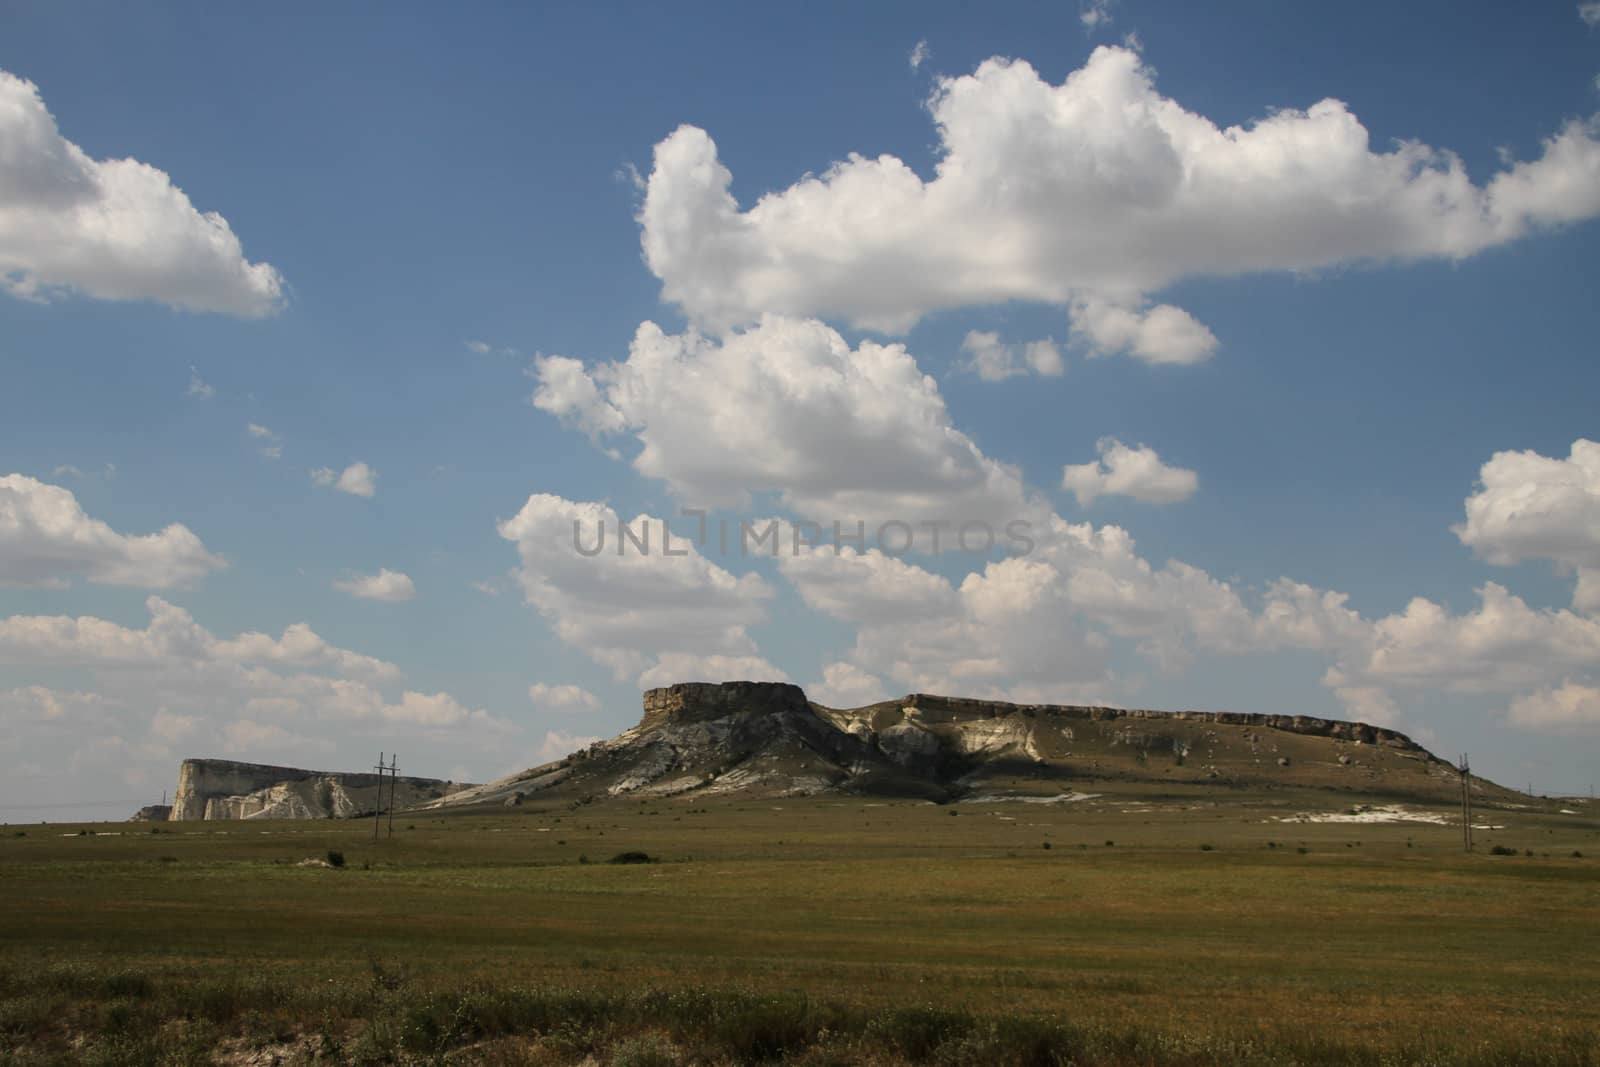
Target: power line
[392, 768]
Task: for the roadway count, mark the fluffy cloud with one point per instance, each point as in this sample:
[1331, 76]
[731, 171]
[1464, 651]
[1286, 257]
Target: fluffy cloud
[1042, 627]
[358, 479]
[1565, 707]
[1161, 334]
[787, 405]
[1367, 703]
[559, 743]
[1589, 12]
[1097, 190]
[919, 55]
[651, 617]
[117, 229]
[562, 697]
[173, 638]
[844, 685]
[1006, 631]
[45, 539]
[291, 698]
[1122, 471]
[387, 585]
[994, 361]
[1501, 647]
[1529, 506]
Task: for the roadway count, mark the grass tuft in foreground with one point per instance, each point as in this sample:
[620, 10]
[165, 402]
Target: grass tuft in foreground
[60, 1014]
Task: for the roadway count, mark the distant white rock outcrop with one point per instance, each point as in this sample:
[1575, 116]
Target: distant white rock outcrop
[225, 789]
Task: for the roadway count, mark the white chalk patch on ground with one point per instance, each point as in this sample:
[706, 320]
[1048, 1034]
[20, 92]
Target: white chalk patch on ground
[1489, 826]
[1368, 815]
[1000, 798]
[1568, 811]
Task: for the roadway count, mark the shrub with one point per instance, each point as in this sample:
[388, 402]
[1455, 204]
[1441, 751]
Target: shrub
[631, 857]
[1208, 848]
[1577, 855]
[1502, 850]
[1111, 844]
[335, 858]
[1047, 844]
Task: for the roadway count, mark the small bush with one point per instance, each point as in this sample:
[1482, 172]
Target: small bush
[1577, 855]
[1111, 844]
[1208, 848]
[1502, 850]
[335, 858]
[1047, 844]
[631, 857]
[1302, 850]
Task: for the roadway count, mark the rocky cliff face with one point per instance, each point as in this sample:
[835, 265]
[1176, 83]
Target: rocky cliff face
[224, 789]
[767, 739]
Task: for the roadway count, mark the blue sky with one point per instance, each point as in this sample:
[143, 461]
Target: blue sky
[1379, 371]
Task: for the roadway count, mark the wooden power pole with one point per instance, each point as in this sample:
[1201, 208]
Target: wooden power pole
[394, 781]
[392, 769]
[1466, 803]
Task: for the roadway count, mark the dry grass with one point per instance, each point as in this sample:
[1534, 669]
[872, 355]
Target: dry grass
[839, 923]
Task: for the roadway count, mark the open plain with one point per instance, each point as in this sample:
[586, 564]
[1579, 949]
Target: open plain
[1133, 925]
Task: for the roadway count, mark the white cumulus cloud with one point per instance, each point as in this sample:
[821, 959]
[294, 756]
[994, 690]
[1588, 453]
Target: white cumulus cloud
[1093, 193]
[653, 617]
[788, 406]
[1160, 334]
[116, 229]
[1530, 506]
[562, 697]
[1134, 472]
[358, 479]
[1562, 707]
[47, 539]
[994, 361]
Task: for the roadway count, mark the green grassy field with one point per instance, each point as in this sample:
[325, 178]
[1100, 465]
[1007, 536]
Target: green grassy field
[1190, 928]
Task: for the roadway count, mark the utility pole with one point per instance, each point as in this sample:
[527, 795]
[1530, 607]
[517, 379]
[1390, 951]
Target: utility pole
[1466, 803]
[394, 781]
[377, 810]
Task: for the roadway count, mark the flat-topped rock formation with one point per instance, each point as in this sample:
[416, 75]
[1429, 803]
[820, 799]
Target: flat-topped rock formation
[225, 789]
[699, 739]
